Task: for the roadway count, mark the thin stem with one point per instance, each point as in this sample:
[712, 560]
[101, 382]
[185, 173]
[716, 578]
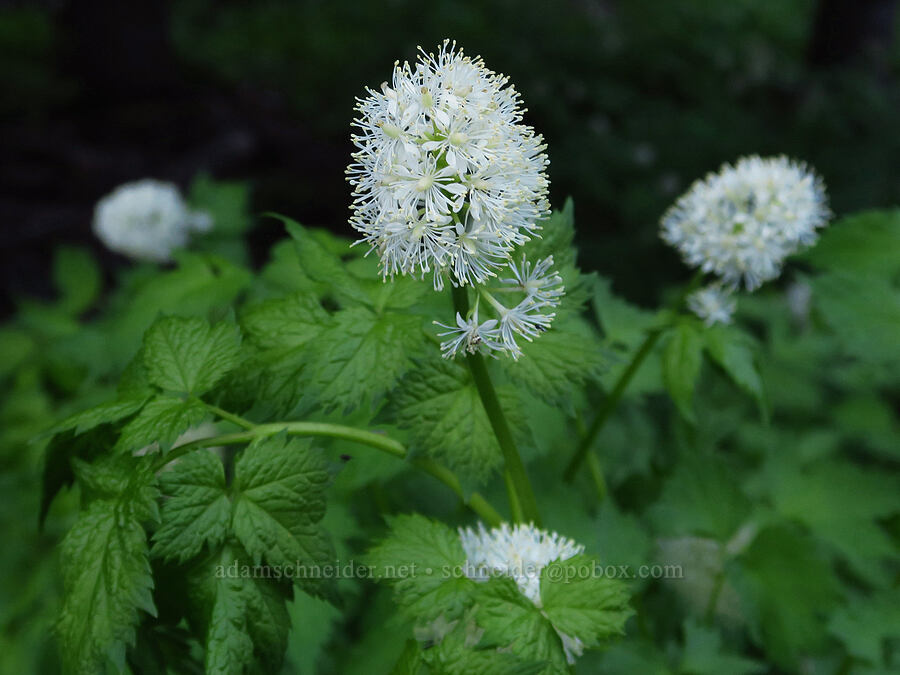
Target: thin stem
[476, 502]
[609, 405]
[622, 383]
[521, 496]
[596, 471]
[231, 417]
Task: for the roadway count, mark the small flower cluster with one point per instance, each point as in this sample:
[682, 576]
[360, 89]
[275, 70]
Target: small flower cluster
[147, 220]
[543, 289]
[519, 552]
[743, 222]
[448, 181]
[714, 304]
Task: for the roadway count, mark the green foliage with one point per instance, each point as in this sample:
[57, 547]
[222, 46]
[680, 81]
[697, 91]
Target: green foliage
[775, 534]
[188, 356]
[106, 568]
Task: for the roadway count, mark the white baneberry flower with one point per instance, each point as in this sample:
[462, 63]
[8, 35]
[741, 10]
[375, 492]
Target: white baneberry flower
[519, 552]
[147, 220]
[447, 179]
[744, 221]
[714, 304]
[539, 289]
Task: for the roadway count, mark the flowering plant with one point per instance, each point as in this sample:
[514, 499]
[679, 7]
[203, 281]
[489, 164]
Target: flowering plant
[313, 465]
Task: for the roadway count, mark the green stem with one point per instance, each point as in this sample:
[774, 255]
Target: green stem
[230, 417]
[521, 496]
[622, 383]
[373, 439]
[609, 405]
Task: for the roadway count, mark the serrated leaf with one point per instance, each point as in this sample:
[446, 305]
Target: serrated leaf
[681, 361]
[77, 278]
[422, 560]
[734, 352]
[512, 622]
[280, 498]
[106, 569]
[188, 356]
[244, 618]
[456, 655]
[161, 421]
[284, 323]
[583, 603]
[105, 413]
[322, 266]
[196, 510]
[361, 355]
[558, 362]
[439, 405]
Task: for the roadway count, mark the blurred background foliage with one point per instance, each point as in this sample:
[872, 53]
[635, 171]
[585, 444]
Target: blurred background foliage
[636, 100]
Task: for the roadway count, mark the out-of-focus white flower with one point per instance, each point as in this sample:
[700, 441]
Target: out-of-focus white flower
[147, 220]
[539, 289]
[714, 304]
[799, 298]
[447, 179]
[519, 552]
[741, 223]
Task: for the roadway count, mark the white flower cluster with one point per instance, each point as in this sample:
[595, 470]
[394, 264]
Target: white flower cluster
[743, 222]
[542, 288]
[448, 181]
[147, 220]
[519, 552]
[714, 304]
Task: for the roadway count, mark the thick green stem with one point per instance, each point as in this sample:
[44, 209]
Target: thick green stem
[625, 378]
[521, 496]
[373, 439]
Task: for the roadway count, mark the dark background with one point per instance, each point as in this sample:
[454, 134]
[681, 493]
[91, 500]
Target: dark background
[636, 98]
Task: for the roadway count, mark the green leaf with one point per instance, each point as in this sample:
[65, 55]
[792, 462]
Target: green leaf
[866, 243]
[456, 655]
[361, 355]
[106, 568]
[623, 323]
[700, 497]
[324, 267]
[105, 413]
[583, 603]
[197, 510]
[865, 624]
[556, 364]
[77, 278]
[280, 498]
[734, 352]
[422, 560]
[681, 361]
[863, 312]
[188, 355]
[244, 620]
[161, 421]
[782, 565]
[439, 405]
[841, 503]
[703, 654]
[512, 622]
[284, 323]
